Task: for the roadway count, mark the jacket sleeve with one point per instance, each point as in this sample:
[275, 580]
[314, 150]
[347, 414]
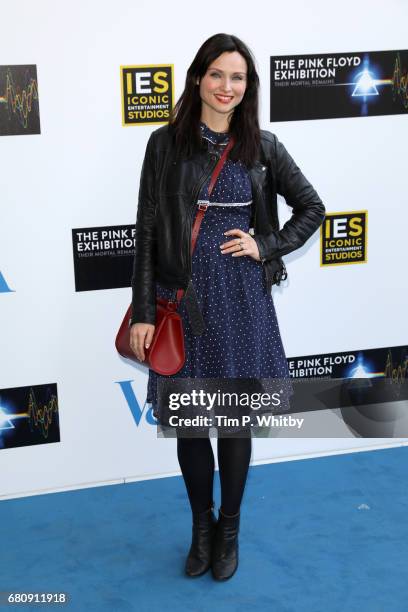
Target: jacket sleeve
[308, 209]
[143, 281]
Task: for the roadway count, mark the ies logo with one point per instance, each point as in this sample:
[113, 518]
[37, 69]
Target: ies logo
[343, 238]
[147, 94]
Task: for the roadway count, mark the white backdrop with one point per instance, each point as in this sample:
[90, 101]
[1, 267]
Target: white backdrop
[83, 170]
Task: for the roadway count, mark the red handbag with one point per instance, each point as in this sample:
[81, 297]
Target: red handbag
[166, 354]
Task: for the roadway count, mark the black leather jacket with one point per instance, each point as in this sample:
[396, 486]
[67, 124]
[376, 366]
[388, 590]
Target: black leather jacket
[168, 193]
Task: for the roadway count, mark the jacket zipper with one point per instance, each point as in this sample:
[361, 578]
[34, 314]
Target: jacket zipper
[193, 209]
[283, 275]
[260, 195]
[268, 282]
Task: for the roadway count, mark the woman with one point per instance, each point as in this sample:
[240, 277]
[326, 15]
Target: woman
[229, 320]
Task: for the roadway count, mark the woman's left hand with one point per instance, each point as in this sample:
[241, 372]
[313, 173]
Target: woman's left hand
[243, 245]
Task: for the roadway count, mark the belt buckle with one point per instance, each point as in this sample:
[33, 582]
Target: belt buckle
[202, 206]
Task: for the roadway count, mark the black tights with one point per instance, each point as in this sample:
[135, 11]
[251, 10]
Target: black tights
[196, 459]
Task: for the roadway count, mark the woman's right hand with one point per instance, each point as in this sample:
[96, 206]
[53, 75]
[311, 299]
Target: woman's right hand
[141, 335]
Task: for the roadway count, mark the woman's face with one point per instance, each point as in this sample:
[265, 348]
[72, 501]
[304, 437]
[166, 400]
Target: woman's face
[223, 85]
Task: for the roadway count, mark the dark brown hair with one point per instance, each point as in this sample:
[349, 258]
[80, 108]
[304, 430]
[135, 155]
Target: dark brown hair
[244, 125]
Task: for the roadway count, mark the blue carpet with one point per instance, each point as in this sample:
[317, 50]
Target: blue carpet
[321, 535]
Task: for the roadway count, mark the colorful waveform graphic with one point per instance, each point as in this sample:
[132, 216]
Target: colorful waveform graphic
[19, 102]
[396, 373]
[400, 83]
[40, 415]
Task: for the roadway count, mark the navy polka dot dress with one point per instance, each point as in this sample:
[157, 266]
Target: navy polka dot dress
[242, 338]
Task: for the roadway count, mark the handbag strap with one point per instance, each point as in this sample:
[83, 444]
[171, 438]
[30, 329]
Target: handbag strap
[203, 207]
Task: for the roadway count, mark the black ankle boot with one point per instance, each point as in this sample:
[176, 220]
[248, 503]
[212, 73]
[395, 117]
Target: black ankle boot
[225, 549]
[199, 557]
